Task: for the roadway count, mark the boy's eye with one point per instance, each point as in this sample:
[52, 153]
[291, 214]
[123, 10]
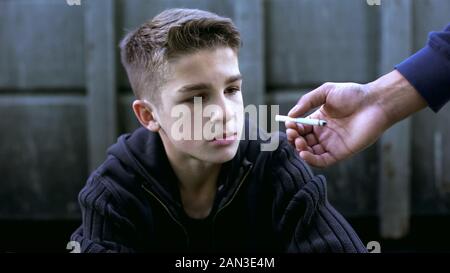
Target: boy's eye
[228, 91]
[232, 90]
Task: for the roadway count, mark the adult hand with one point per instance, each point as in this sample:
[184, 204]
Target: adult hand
[356, 116]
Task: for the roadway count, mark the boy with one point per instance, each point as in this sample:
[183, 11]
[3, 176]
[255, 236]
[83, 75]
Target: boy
[159, 192]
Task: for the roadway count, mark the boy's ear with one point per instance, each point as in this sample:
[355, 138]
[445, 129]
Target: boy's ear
[146, 115]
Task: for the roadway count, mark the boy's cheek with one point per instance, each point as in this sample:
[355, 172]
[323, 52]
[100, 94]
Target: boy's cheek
[240, 120]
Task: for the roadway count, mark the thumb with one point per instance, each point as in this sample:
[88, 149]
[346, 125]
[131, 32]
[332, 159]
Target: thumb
[311, 100]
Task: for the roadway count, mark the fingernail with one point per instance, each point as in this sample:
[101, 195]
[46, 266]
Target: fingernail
[293, 110]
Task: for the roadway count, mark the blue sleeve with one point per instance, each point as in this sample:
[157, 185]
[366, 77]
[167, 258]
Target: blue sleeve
[428, 70]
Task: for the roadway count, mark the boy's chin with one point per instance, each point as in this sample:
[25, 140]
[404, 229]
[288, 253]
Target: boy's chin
[223, 159]
[221, 156]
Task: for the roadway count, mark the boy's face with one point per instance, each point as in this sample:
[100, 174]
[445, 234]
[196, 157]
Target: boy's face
[213, 76]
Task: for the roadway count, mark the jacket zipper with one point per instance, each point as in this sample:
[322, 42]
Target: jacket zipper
[229, 201]
[215, 216]
[170, 214]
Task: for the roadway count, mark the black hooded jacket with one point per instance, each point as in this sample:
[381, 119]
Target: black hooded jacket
[265, 202]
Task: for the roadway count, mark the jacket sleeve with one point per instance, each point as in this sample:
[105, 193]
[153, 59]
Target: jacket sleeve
[103, 228]
[304, 219]
[428, 70]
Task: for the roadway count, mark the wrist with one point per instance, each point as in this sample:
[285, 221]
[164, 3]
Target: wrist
[395, 96]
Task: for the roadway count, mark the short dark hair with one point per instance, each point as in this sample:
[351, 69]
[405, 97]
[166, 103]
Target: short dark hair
[146, 51]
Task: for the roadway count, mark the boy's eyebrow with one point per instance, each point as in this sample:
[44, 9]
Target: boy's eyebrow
[233, 78]
[194, 87]
[202, 86]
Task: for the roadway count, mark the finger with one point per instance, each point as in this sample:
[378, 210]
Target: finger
[311, 140]
[290, 124]
[302, 129]
[318, 149]
[291, 134]
[319, 161]
[300, 145]
[311, 100]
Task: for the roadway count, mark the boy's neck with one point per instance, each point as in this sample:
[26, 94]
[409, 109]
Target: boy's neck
[198, 186]
[197, 182]
[194, 175]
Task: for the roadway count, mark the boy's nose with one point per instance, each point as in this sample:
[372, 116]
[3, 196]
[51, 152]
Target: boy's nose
[225, 114]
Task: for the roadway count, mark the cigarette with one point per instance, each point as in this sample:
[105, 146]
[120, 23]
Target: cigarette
[308, 121]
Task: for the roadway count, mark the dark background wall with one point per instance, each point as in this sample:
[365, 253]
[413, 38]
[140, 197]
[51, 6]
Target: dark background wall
[64, 98]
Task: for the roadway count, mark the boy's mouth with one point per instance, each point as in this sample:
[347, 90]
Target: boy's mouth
[225, 136]
[224, 140]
